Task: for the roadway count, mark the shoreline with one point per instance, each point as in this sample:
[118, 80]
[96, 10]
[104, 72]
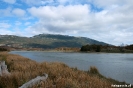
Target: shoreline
[77, 49]
[85, 66]
[69, 51]
[17, 58]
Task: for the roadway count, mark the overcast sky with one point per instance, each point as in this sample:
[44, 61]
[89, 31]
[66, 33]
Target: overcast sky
[110, 21]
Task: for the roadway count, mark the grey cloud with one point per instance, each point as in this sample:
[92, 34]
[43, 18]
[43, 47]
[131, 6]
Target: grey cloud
[61, 18]
[18, 12]
[5, 12]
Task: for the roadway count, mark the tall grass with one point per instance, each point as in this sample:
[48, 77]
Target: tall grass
[60, 75]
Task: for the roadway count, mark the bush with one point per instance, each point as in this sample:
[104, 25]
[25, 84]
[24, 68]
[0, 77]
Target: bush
[2, 48]
[94, 70]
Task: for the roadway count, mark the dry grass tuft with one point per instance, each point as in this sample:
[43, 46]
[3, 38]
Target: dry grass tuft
[94, 70]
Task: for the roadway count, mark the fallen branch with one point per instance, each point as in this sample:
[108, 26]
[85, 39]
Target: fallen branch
[35, 81]
[3, 69]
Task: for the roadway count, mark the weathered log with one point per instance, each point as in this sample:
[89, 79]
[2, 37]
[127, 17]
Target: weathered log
[3, 69]
[35, 81]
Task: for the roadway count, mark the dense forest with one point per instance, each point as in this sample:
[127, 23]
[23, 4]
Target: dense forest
[3, 48]
[129, 47]
[107, 48]
[96, 48]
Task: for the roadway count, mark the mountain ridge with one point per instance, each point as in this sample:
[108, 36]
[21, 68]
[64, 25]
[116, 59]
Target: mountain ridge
[47, 41]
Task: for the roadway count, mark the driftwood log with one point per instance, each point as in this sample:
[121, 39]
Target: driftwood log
[3, 69]
[35, 81]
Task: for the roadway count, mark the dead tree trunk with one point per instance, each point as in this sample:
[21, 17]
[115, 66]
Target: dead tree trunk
[3, 69]
[34, 81]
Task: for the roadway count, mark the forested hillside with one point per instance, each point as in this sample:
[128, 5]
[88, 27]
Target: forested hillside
[46, 41]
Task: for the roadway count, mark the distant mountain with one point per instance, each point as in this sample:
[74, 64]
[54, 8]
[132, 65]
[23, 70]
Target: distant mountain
[46, 41]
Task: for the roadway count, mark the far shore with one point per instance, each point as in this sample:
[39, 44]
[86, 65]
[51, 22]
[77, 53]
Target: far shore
[77, 51]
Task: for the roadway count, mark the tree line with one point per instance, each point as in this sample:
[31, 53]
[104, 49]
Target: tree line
[4, 48]
[106, 48]
[129, 47]
[95, 48]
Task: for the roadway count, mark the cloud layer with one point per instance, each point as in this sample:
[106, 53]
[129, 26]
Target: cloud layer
[108, 21]
[60, 19]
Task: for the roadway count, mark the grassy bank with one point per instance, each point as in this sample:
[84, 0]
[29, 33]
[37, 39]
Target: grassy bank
[60, 75]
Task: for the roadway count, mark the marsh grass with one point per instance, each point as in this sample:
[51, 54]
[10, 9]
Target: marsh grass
[60, 75]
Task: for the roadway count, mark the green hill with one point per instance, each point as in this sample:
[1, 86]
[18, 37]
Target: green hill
[46, 41]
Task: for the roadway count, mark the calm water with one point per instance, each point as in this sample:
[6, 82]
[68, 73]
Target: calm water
[114, 65]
